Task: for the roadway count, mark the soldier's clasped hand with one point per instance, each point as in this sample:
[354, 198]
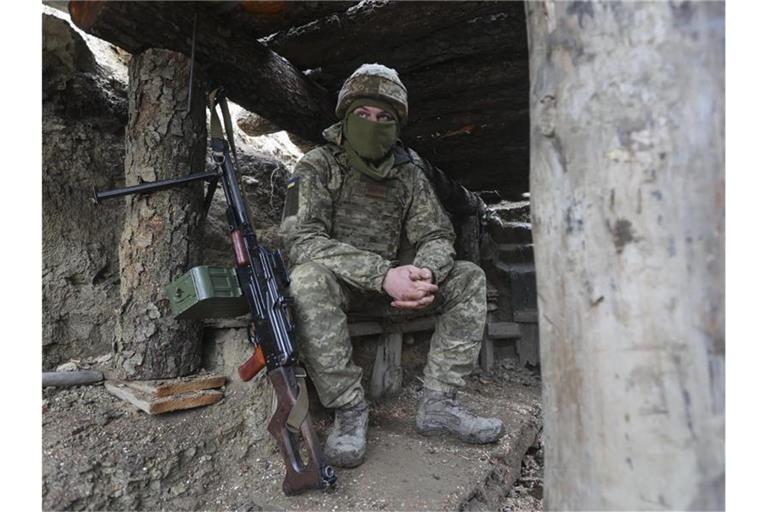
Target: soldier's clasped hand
[410, 286]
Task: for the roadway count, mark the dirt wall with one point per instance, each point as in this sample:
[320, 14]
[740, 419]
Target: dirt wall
[84, 114]
[84, 118]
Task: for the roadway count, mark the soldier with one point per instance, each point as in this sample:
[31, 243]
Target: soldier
[353, 208]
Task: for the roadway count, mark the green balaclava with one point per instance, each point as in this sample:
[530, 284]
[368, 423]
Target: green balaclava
[369, 144]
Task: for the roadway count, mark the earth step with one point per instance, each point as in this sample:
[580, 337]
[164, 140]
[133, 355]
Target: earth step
[516, 253]
[406, 471]
[511, 232]
[522, 280]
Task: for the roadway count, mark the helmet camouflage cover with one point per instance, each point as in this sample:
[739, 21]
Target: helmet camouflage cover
[374, 81]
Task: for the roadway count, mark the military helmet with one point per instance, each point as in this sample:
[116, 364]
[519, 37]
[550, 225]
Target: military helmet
[374, 81]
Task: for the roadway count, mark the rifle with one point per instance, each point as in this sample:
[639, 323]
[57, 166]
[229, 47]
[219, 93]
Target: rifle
[263, 281]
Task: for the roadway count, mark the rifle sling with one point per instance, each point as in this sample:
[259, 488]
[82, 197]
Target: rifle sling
[216, 97]
[300, 409]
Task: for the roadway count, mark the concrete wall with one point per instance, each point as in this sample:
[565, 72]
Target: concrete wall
[627, 196]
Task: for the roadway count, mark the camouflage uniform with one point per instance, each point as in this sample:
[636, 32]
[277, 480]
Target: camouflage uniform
[344, 231]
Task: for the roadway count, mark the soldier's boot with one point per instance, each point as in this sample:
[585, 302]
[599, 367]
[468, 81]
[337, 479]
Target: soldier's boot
[441, 413]
[345, 445]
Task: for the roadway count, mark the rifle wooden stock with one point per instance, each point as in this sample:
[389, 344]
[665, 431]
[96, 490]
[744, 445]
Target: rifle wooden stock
[299, 475]
[252, 366]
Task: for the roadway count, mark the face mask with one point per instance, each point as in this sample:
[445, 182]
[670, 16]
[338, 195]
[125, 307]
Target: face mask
[371, 140]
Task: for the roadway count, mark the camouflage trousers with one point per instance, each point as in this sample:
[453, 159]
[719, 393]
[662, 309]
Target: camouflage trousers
[322, 303]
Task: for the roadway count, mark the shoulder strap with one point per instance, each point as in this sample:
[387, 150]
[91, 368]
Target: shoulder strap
[216, 97]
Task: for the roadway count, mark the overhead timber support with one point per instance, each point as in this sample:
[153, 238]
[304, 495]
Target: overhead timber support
[255, 77]
[465, 65]
[378, 26]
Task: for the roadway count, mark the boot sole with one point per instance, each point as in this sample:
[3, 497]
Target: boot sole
[432, 432]
[345, 464]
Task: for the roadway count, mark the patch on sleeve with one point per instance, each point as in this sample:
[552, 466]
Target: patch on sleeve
[291, 198]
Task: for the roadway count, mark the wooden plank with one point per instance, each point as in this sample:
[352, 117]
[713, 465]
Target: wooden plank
[371, 327]
[421, 324]
[387, 374]
[153, 405]
[75, 378]
[503, 330]
[168, 387]
[365, 328]
[526, 316]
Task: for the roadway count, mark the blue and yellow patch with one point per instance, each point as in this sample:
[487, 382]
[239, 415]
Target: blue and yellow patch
[291, 197]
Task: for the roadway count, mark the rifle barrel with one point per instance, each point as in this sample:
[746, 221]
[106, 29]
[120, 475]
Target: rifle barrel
[154, 186]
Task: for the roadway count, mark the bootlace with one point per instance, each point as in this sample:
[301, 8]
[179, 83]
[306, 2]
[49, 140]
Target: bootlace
[348, 419]
[447, 397]
[453, 403]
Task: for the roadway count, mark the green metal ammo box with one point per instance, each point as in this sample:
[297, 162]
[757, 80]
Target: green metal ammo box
[206, 292]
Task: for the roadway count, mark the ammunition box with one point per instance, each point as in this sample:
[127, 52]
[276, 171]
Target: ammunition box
[206, 292]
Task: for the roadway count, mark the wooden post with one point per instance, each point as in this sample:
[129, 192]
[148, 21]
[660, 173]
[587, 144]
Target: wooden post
[627, 197]
[387, 373]
[486, 349]
[160, 236]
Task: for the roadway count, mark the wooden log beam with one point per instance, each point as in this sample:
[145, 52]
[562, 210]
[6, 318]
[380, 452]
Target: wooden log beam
[262, 18]
[498, 37]
[373, 27]
[467, 84]
[255, 125]
[253, 76]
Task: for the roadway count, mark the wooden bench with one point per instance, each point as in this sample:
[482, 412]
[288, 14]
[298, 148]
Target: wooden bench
[386, 376]
[387, 372]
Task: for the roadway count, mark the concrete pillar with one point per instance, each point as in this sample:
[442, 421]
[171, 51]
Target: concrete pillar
[627, 198]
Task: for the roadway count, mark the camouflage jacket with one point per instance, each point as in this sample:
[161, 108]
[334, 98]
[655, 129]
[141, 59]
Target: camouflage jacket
[359, 227]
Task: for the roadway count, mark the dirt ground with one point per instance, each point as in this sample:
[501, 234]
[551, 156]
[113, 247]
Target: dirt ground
[100, 453]
[528, 492]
